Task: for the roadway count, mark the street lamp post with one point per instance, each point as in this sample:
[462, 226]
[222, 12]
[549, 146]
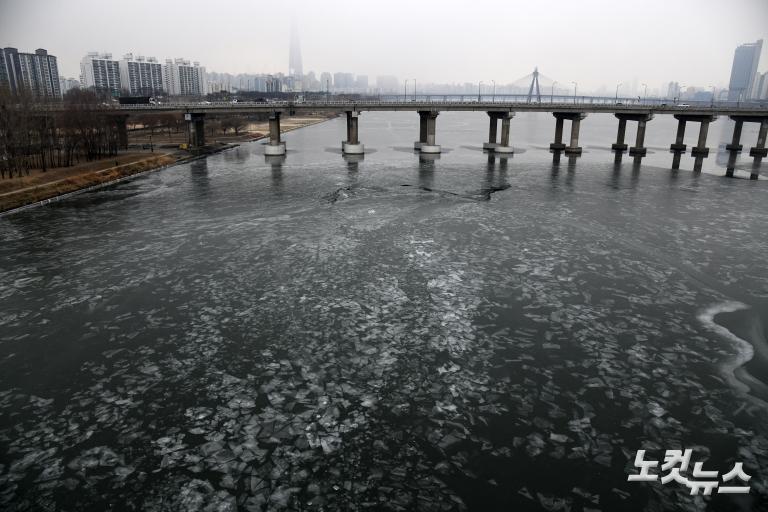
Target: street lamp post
[616, 98]
[493, 97]
[713, 95]
[479, 88]
[552, 93]
[575, 86]
[645, 92]
[414, 89]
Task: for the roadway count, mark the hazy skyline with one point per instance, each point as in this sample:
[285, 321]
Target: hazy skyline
[591, 42]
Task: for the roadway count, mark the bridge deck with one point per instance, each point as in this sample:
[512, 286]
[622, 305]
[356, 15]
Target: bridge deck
[439, 106]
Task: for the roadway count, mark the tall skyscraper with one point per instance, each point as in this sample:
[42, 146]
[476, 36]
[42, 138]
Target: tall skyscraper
[140, 76]
[295, 68]
[100, 71]
[761, 93]
[36, 72]
[744, 71]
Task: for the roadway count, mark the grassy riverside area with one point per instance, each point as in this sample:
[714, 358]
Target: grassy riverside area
[38, 185]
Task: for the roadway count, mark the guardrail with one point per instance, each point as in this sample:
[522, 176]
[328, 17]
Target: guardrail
[428, 103]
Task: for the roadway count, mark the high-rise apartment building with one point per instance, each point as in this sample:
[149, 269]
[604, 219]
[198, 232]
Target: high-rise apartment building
[744, 71]
[183, 78]
[343, 82]
[141, 76]
[387, 83]
[99, 70]
[361, 83]
[36, 72]
[67, 84]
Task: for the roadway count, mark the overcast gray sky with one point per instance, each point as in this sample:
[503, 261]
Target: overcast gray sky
[588, 41]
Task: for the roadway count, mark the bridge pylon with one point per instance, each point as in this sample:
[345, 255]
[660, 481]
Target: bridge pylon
[534, 82]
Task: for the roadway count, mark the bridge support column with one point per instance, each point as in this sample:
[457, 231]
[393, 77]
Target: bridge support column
[701, 151]
[619, 146]
[423, 114]
[639, 150]
[574, 148]
[122, 131]
[494, 122]
[275, 147]
[678, 148]
[701, 148]
[197, 129]
[352, 145]
[503, 146]
[759, 151]
[734, 147]
[429, 147]
[558, 144]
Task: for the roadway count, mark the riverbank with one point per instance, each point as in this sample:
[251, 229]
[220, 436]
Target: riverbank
[250, 131]
[41, 187]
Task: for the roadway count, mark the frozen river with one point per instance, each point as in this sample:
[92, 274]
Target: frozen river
[468, 333]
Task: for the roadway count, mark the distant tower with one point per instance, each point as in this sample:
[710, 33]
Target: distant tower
[295, 69]
[534, 81]
[744, 71]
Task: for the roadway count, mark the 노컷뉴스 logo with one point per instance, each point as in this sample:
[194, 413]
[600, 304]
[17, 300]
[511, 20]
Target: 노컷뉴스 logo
[676, 463]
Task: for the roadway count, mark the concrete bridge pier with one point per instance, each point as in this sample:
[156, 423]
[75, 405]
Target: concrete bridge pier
[619, 146]
[275, 147]
[678, 148]
[503, 146]
[558, 144]
[701, 151]
[423, 114]
[122, 131]
[494, 123]
[734, 147]
[429, 147]
[759, 151]
[196, 123]
[574, 148]
[639, 150]
[352, 145]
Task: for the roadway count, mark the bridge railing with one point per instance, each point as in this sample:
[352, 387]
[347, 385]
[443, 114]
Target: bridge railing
[437, 101]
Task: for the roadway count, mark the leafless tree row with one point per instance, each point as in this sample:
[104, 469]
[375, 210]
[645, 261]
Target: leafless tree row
[33, 136]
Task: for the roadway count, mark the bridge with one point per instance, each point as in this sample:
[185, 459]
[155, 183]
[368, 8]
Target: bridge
[573, 109]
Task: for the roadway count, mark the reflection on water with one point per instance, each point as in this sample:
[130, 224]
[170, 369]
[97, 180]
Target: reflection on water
[389, 331]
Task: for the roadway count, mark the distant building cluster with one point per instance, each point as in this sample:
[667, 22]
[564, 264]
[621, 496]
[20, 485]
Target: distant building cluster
[142, 76]
[36, 72]
[146, 76]
[746, 82]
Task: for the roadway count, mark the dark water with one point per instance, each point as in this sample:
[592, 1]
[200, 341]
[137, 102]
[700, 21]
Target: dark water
[465, 333]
